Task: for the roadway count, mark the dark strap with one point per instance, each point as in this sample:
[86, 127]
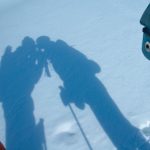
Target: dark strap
[146, 31]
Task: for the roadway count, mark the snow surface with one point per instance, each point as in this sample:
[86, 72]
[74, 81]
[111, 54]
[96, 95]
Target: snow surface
[106, 32]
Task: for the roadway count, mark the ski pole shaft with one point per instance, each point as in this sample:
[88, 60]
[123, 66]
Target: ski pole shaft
[82, 132]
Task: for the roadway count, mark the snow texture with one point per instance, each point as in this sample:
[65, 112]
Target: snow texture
[73, 76]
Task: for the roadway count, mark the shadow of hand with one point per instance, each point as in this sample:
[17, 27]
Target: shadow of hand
[20, 69]
[68, 98]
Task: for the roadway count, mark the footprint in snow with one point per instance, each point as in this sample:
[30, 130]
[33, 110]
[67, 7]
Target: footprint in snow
[145, 128]
[66, 133]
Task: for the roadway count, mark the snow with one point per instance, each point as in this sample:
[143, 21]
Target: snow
[106, 32]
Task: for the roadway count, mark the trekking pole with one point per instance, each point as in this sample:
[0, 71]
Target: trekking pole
[82, 132]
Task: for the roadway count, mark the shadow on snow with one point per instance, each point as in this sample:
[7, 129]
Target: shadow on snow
[81, 86]
[21, 70]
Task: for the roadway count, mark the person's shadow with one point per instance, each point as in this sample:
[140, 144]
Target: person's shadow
[20, 70]
[81, 86]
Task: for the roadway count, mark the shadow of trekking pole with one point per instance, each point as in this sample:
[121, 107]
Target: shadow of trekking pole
[80, 127]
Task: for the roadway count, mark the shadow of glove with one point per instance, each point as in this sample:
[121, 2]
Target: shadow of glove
[68, 98]
[64, 96]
